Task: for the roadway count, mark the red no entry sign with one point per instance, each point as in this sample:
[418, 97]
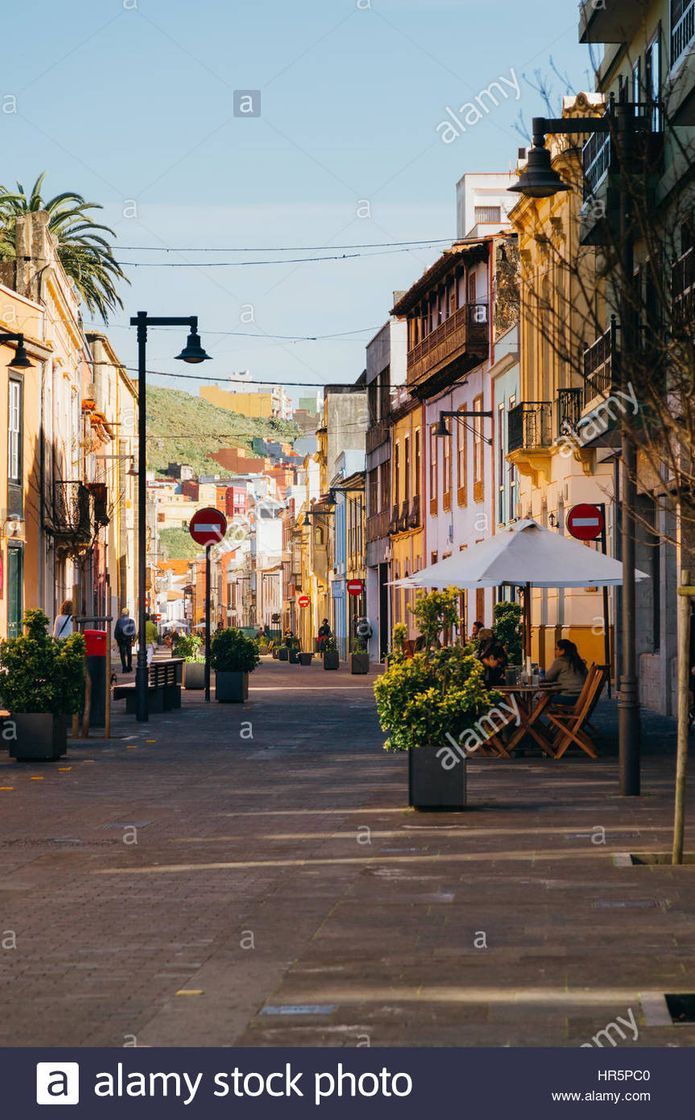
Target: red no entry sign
[303, 600]
[585, 522]
[355, 586]
[208, 526]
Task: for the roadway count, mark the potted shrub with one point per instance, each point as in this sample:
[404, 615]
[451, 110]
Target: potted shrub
[293, 647]
[508, 629]
[305, 658]
[359, 657]
[188, 646]
[41, 683]
[233, 656]
[331, 657]
[399, 635]
[421, 702]
[283, 653]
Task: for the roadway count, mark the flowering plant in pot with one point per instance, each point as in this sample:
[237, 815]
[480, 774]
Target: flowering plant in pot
[233, 656]
[331, 657]
[189, 646]
[41, 683]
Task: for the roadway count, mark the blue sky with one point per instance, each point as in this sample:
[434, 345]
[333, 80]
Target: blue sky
[131, 102]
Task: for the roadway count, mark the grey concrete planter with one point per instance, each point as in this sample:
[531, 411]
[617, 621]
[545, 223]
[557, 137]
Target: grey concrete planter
[283, 655]
[232, 688]
[331, 659]
[359, 662]
[41, 736]
[430, 785]
[194, 675]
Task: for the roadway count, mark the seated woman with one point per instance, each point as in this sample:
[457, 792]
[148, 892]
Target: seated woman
[494, 659]
[568, 670]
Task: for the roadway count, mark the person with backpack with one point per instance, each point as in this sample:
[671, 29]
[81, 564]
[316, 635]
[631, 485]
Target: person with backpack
[124, 633]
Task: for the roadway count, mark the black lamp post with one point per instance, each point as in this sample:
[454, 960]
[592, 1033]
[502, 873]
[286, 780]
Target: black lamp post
[193, 353]
[539, 180]
[21, 358]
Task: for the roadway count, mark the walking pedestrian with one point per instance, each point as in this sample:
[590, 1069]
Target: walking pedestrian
[324, 634]
[124, 633]
[63, 626]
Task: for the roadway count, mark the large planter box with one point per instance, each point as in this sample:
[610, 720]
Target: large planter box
[294, 657]
[194, 674]
[430, 786]
[40, 736]
[331, 659]
[232, 688]
[305, 658]
[359, 662]
[283, 655]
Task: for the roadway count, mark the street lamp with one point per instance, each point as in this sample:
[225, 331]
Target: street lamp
[193, 353]
[21, 358]
[316, 513]
[442, 432]
[539, 180]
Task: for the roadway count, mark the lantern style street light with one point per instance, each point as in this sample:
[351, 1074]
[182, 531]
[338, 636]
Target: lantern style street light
[192, 353]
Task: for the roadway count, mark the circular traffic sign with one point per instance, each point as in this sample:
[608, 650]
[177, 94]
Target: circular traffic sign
[585, 522]
[208, 526]
[303, 600]
[355, 586]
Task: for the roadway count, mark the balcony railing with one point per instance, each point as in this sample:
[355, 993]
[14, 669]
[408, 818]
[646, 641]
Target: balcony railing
[394, 519]
[73, 522]
[377, 434]
[529, 425]
[600, 365]
[683, 33]
[378, 525]
[569, 409]
[414, 514]
[463, 332]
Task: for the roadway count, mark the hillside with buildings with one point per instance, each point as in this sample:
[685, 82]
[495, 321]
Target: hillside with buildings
[182, 428]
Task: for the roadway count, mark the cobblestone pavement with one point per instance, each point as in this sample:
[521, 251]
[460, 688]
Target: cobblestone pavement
[187, 884]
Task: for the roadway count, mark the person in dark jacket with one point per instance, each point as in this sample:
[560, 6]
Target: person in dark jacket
[324, 634]
[124, 633]
[494, 659]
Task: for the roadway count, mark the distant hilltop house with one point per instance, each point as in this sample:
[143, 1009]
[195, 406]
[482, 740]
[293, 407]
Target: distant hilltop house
[271, 404]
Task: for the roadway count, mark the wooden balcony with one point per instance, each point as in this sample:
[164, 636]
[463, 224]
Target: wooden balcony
[378, 525]
[377, 434]
[457, 345]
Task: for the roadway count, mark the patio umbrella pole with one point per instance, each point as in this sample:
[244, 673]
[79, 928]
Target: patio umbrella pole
[527, 626]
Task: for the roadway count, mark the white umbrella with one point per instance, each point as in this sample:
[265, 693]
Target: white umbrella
[525, 553]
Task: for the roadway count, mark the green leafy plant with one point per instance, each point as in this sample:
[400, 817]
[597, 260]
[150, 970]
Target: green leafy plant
[399, 636]
[434, 612]
[508, 629]
[233, 652]
[189, 647]
[359, 645]
[420, 700]
[329, 645]
[39, 673]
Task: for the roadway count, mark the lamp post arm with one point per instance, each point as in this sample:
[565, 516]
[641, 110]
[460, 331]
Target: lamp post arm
[544, 126]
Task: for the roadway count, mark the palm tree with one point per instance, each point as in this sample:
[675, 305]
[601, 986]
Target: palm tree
[84, 253]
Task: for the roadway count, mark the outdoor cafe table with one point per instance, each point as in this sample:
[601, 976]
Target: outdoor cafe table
[532, 700]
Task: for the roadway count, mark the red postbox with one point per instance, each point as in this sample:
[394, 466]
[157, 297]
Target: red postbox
[95, 648]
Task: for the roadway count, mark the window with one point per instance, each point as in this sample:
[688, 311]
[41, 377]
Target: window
[652, 80]
[434, 468]
[488, 214]
[397, 474]
[14, 441]
[446, 471]
[417, 463]
[406, 469]
[385, 481]
[501, 466]
[462, 459]
[478, 459]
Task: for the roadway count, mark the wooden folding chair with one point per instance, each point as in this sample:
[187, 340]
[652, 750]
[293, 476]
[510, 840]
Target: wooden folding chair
[571, 725]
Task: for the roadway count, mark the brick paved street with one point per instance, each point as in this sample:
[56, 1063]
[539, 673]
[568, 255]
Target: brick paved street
[280, 893]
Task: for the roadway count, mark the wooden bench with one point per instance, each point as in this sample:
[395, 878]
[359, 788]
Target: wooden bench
[163, 687]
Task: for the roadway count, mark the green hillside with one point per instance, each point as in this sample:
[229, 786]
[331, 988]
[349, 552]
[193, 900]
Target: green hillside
[185, 429]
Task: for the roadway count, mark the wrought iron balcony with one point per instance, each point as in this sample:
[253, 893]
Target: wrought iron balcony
[73, 522]
[414, 514]
[458, 344]
[529, 426]
[393, 523]
[600, 365]
[569, 409]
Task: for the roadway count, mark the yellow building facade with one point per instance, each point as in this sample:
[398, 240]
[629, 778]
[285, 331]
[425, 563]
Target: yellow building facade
[406, 527]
